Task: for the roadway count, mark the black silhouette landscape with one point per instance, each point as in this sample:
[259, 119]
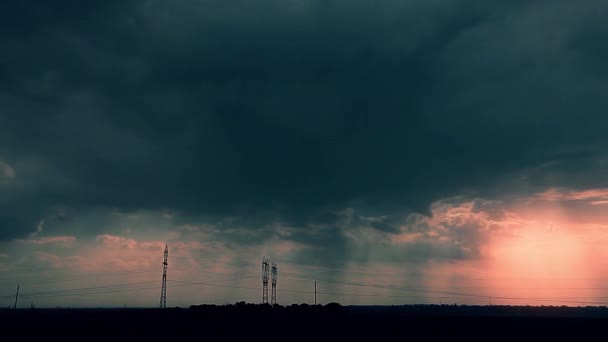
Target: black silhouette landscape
[322, 322]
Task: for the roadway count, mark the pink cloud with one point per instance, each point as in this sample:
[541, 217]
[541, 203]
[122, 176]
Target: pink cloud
[466, 226]
[600, 195]
[58, 261]
[114, 241]
[48, 258]
[445, 216]
[407, 238]
[152, 246]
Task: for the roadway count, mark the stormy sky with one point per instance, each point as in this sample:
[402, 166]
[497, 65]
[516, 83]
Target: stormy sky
[394, 151]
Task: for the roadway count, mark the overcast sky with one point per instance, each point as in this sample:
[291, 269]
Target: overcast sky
[396, 151]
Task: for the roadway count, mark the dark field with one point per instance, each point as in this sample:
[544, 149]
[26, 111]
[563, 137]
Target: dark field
[330, 322]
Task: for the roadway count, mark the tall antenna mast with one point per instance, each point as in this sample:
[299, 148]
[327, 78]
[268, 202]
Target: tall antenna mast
[16, 297]
[163, 291]
[273, 300]
[264, 280]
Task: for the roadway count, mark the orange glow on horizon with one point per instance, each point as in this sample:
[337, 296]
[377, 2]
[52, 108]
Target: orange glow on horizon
[554, 257]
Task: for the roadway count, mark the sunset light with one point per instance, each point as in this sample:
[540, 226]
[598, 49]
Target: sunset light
[408, 162]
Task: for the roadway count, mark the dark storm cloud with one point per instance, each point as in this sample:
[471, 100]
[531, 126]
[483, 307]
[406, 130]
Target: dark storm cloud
[290, 110]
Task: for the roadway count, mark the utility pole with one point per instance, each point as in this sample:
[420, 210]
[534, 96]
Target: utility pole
[264, 280]
[315, 292]
[163, 291]
[16, 297]
[273, 300]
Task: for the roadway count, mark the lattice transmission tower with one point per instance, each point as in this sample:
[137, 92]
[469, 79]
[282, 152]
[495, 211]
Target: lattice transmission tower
[163, 291]
[273, 300]
[264, 280]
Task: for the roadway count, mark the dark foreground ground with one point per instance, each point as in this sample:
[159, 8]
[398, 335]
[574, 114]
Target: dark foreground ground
[312, 323]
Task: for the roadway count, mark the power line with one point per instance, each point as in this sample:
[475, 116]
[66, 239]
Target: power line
[82, 290]
[324, 269]
[233, 286]
[60, 268]
[479, 296]
[11, 282]
[93, 292]
[96, 290]
[141, 286]
[298, 277]
[432, 293]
